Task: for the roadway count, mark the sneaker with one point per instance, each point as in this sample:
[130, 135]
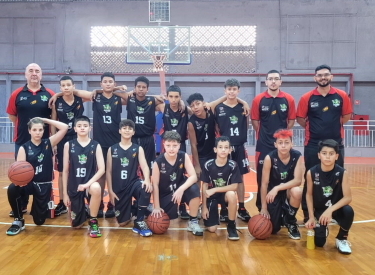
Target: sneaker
[94, 230]
[184, 215]
[343, 246]
[193, 226]
[60, 209]
[24, 211]
[110, 213]
[16, 228]
[243, 214]
[293, 231]
[232, 233]
[141, 228]
[224, 215]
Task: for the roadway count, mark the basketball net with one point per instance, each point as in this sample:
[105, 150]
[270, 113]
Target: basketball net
[158, 60]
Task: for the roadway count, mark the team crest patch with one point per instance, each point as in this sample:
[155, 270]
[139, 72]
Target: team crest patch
[283, 107]
[181, 165]
[274, 112]
[140, 110]
[33, 102]
[150, 103]
[78, 107]
[124, 162]
[174, 122]
[173, 176]
[327, 191]
[70, 115]
[134, 155]
[283, 175]
[233, 119]
[82, 159]
[43, 98]
[325, 109]
[336, 102]
[40, 157]
[107, 108]
[219, 182]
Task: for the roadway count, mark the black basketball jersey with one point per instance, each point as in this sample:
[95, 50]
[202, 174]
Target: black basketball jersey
[67, 113]
[175, 121]
[124, 167]
[232, 123]
[40, 157]
[327, 186]
[107, 118]
[82, 164]
[281, 173]
[171, 176]
[205, 134]
[220, 176]
[143, 115]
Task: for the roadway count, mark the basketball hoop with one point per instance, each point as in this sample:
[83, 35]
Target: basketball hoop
[158, 60]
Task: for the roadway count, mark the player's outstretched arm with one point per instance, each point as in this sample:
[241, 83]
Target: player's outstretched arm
[309, 201]
[194, 149]
[145, 170]
[65, 174]
[155, 178]
[63, 128]
[264, 186]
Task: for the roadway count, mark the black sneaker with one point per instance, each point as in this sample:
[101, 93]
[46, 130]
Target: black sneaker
[110, 213]
[293, 231]
[232, 232]
[60, 209]
[24, 211]
[224, 215]
[184, 215]
[141, 228]
[243, 214]
[100, 213]
[16, 227]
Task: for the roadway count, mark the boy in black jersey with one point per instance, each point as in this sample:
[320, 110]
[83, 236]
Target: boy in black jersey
[233, 123]
[220, 177]
[171, 185]
[328, 196]
[66, 109]
[123, 161]
[38, 152]
[83, 167]
[281, 178]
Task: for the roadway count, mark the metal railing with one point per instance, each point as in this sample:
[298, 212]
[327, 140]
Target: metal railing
[355, 135]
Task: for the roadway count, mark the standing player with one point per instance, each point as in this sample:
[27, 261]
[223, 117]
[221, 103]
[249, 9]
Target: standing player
[322, 112]
[328, 196]
[171, 186]
[123, 161]
[38, 152]
[233, 123]
[220, 178]
[25, 103]
[66, 109]
[282, 176]
[270, 111]
[83, 167]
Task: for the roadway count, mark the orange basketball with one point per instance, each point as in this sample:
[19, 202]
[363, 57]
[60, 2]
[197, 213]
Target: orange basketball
[158, 225]
[260, 227]
[21, 173]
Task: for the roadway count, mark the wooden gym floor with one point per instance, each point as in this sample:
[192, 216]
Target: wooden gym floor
[55, 248]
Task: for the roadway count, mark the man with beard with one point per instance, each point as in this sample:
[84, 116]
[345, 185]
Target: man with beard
[271, 110]
[322, 112]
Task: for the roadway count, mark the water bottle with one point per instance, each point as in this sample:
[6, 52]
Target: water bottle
[310, 239]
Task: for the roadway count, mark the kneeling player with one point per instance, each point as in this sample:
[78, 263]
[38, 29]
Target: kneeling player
[170, 184]
[83, 167]
[328, 196]
[281, 178]
[220, 178]
[123, 181]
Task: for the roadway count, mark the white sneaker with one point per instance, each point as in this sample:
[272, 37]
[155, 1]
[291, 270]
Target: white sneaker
[194, 227]
[343, 246]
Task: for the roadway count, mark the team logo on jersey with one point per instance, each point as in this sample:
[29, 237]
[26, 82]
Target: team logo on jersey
[30, 153]
[265, 108]
[72, 215]
[117, 213]
[283, 175]
[140, 110]
[72, 149]
[78, 106]
[337, 174]
[327, 191]
[181, 165]
[283, 107]
[233, 119]
[261, 161]
[43, 98]
[23, 98]
[162, 170]
[70, 115]
[40, 157]
[173, 176]
[82, 159]
[221, 111]
[97, 99]
[274, 112]
[325, 109]
[198, 125]
[314, 104]
[174, 122]
[124, 162]
[107, 108]
[134, 155]
[116, 102]
[336, 102]
[33, 102]
[219, 182]
[150, 103]
[205, 127]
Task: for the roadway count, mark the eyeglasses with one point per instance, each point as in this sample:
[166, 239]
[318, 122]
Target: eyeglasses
[322, 75]
[273, 79]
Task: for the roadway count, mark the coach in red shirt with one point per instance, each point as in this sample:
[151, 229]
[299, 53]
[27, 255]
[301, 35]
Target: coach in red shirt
[322, 112]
